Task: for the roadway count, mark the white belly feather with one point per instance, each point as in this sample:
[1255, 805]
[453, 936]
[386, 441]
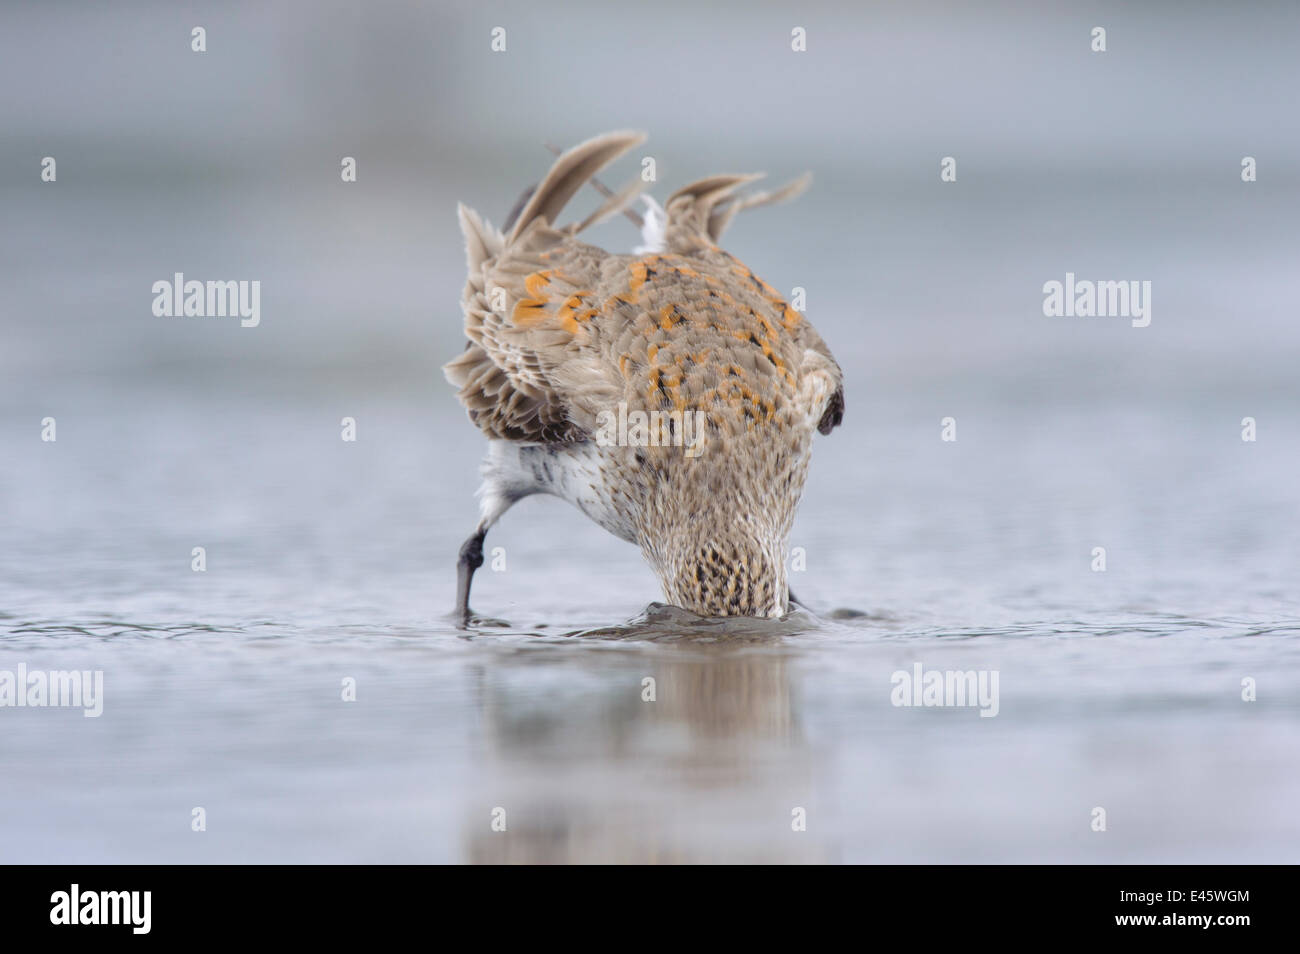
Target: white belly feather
[572, 472]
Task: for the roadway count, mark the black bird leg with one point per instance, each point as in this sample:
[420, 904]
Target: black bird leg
[471, 558]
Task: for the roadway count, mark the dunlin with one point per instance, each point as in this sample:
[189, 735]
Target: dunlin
[669, 394]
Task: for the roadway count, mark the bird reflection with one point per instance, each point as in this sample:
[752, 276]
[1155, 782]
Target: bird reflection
[680, 754]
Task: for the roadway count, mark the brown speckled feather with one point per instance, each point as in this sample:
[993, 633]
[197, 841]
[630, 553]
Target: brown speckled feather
[563, 334]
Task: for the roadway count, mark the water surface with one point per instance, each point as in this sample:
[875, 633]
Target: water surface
[329, 561]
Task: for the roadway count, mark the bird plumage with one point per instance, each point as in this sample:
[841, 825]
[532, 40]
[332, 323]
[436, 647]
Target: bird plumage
[564, 335]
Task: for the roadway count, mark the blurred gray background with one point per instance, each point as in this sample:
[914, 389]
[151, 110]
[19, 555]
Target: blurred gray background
[226, 164]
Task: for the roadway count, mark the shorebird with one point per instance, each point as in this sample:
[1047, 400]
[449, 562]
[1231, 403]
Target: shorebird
[586, 370]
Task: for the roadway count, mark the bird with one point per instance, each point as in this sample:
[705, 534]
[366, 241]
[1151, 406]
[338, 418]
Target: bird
[669, 393]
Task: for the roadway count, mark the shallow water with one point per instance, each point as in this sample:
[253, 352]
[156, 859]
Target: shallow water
[327, 561]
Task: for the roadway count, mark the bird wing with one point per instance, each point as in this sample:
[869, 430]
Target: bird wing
[532, 369]
[696, 215]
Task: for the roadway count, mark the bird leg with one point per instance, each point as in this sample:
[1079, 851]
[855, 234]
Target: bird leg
[471, 558]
